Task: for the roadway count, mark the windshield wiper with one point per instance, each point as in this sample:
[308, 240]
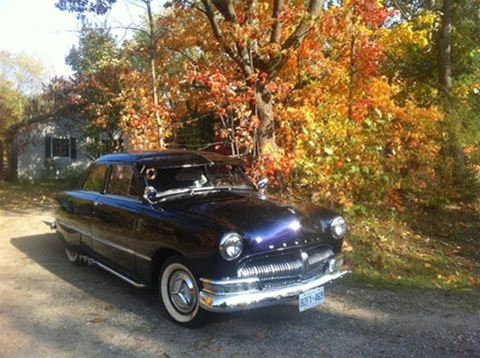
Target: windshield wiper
[191, 191]
[222, 188]
[166, 194]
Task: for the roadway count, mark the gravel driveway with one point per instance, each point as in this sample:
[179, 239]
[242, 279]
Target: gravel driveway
[51, 308]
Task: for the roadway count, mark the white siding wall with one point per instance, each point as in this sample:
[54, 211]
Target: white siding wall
[33, 164]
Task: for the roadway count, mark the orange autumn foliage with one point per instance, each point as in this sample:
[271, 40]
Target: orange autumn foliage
[339, 130]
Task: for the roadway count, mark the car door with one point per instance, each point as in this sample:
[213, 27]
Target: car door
[76, 207]
[115, 215]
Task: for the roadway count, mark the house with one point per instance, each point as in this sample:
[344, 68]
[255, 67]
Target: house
[59, 146]
[48, 147]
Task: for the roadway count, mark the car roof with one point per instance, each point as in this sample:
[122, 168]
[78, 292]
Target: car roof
[171, 158]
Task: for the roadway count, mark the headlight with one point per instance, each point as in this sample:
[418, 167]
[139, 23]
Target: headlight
[338, 227]
[231, 246]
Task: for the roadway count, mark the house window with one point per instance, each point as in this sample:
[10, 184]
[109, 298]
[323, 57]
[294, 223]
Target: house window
[60, 147]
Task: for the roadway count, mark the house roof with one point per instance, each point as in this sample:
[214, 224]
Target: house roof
[172, 158]
[13, 129]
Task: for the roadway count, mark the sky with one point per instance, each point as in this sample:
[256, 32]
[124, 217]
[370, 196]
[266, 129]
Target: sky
[38, 28]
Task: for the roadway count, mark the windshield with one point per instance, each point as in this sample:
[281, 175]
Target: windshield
[166, 180]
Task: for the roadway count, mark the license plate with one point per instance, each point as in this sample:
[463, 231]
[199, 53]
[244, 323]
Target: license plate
[311, 299]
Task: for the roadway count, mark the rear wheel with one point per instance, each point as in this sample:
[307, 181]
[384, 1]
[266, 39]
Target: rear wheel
[179, 293]
[73, 255]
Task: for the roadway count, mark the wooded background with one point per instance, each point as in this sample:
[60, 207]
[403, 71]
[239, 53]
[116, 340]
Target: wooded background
[356, 101]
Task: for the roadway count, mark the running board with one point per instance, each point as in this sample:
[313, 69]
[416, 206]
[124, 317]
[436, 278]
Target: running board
[92, 261]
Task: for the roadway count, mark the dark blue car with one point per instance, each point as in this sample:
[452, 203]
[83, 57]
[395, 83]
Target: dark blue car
[192, 225]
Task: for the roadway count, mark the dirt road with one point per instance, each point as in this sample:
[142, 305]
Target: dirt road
[51, 308]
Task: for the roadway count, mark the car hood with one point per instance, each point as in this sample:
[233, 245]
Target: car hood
[265, 224]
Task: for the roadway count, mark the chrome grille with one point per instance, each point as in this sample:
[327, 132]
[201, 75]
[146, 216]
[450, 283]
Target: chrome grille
[286, 266]
[320, 256]
[271, 268]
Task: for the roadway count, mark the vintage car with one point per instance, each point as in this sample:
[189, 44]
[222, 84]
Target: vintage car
[192, 225]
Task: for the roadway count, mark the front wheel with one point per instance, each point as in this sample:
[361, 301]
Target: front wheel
[179, 293]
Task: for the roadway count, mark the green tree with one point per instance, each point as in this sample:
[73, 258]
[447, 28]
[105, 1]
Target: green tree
[96, 85]
[446, 72]
[96, 48]
[21, 78]
[151, 31]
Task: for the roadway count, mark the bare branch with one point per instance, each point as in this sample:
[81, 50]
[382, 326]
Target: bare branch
[297, 36]
[182, 53]
[249, 9]
[305, 25]
[217, 32]
[195, 6]
[277, 25]
[133, 28]
[225, 8]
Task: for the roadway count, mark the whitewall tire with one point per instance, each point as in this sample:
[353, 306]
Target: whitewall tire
[73, 255]
[179, 293]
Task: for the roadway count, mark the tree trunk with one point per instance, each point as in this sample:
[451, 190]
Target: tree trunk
[12, 158]
[351, 73]
[430, 5]
[266, 128]
[2, 148]
[153, 55]
[444, 48]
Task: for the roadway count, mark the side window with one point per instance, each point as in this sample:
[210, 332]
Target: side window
[122, 181]
[95, 179]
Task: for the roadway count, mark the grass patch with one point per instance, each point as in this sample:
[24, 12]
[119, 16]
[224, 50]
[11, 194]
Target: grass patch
[24, 196]
[415, 247]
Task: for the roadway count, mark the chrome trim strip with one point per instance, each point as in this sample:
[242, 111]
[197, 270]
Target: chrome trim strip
[121, 248]
[122, 197]
[230, 282]
[230, 302]
[119, 275]
[114, 245]
[108, 242]
[140, 256]
[61, 223]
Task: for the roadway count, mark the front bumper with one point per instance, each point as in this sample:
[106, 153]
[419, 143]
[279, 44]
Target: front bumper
[251, 296]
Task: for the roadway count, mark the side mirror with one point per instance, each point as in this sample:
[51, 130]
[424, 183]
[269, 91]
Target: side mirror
[262, 185]
[150, 194]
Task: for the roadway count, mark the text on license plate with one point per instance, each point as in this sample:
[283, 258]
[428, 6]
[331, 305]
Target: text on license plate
[311, 298]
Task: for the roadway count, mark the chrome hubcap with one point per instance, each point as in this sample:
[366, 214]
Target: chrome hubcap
[182, 291]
